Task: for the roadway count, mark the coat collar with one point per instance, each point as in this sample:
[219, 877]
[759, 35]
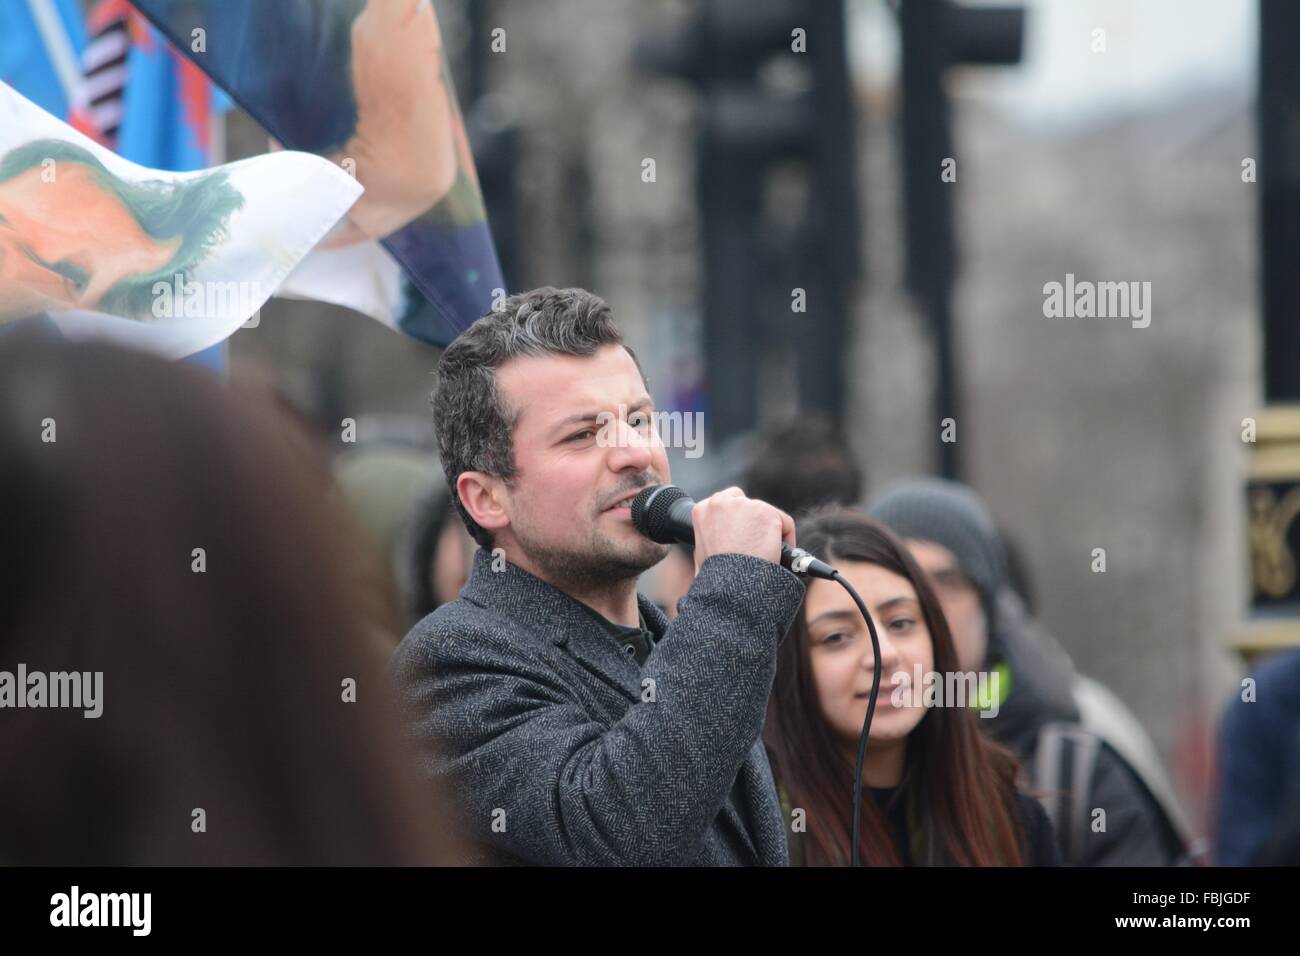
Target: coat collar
[566, 623]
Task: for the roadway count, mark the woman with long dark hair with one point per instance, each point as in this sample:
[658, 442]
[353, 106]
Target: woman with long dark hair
[935, 791]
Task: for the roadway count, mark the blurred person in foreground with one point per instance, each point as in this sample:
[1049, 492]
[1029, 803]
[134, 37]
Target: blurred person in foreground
[1081, 748]
[940, 793]
[1259, 768]
[581, 727]
[183, 541]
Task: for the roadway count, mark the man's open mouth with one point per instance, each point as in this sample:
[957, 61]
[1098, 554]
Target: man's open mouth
[625, 501]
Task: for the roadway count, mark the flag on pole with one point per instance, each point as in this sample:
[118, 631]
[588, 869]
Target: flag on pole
[366, 84]
[174, 262]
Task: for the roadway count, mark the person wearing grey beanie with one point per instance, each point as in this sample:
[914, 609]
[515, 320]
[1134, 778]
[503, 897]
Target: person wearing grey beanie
[954, 538]
[951, 515]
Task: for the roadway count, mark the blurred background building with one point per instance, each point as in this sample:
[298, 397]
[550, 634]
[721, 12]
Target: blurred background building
[1104, 140]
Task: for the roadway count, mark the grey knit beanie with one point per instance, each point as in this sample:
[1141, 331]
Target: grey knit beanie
[951, 515]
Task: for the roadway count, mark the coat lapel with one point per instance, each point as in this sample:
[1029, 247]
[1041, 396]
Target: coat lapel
[565, 622]
[594, 650]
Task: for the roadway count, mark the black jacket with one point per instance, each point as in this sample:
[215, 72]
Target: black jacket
[1038, 842]
[1039, 704]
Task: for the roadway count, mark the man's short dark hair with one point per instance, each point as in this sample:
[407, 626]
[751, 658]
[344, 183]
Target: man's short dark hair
[195, 210]
[473, 423]
[803, 465]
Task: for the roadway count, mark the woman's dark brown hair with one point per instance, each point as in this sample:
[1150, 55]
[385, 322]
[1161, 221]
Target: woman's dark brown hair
[960, 785]
[224, 669]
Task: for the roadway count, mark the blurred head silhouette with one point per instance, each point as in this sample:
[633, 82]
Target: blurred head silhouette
[184, 541]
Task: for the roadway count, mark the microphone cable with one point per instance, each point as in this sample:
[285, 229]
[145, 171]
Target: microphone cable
[856, 858]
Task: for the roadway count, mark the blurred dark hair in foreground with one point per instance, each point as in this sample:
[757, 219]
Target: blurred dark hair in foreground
[802, 465]
[223, 689]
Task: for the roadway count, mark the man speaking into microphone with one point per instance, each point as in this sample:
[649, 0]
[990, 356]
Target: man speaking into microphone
[573, 724]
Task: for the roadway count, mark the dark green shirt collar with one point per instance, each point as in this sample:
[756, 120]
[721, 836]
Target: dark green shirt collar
[637, 642]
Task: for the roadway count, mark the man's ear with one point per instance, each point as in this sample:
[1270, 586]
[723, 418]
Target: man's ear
[483, 497]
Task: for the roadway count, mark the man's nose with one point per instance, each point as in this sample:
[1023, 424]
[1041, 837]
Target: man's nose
[631, 447]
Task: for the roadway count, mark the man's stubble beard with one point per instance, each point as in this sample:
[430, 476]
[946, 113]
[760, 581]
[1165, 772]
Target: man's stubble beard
[603, 564]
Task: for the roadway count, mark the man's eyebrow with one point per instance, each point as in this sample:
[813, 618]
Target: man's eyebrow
[580, 417]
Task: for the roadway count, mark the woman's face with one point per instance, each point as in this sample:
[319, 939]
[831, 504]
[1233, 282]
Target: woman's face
[842, 661]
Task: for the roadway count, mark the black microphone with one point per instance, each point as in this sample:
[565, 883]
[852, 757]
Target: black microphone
[663, 513]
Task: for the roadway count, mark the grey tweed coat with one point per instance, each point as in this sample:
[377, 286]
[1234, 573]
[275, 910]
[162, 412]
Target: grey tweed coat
[561, 750]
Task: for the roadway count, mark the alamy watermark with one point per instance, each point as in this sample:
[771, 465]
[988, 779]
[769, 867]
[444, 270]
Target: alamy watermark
[1101, 300]
[980, 689]
[179, 299]
[130, 910]
[674, 429]
[81, 690]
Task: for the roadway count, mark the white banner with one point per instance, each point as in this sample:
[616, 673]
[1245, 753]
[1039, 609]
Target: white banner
[172, 262]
